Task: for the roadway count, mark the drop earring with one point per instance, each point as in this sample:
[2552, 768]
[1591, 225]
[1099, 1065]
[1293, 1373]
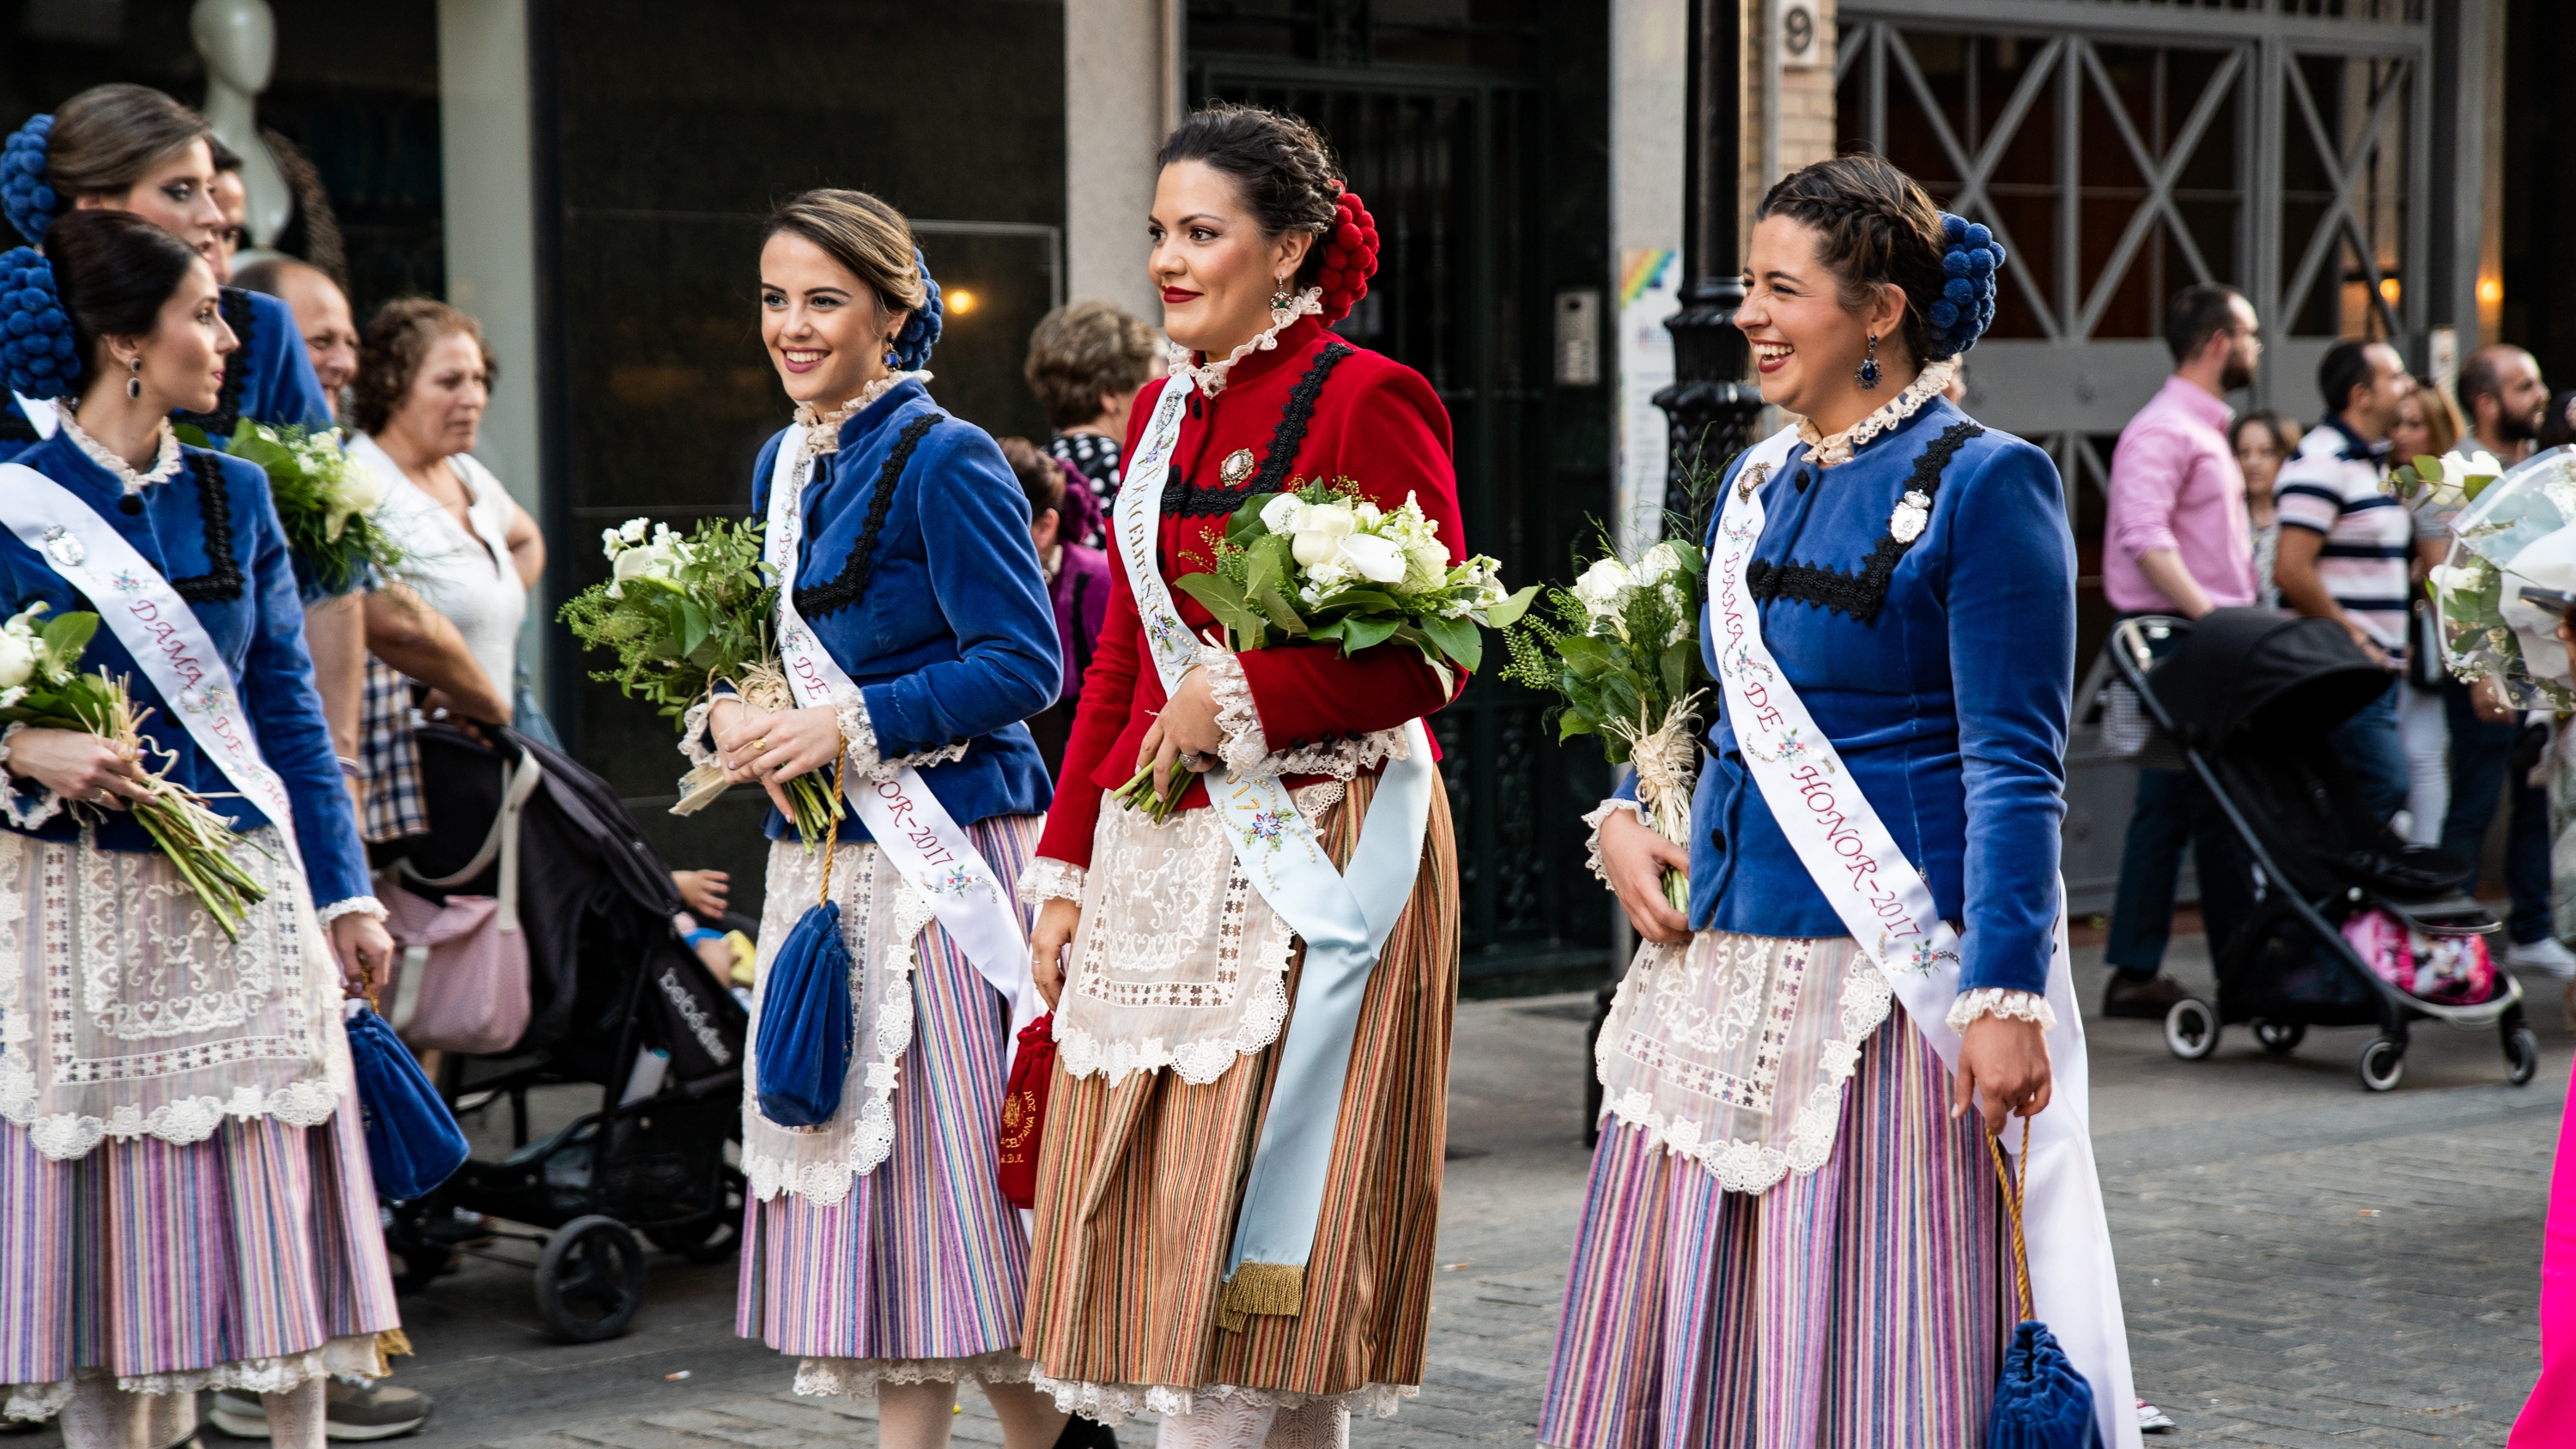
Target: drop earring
[134, 383]
[1869, 365]
[1280, 302]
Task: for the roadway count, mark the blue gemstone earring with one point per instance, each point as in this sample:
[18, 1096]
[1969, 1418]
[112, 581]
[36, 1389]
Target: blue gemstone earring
[1869, 365]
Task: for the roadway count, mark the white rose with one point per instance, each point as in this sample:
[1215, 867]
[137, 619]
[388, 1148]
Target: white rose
[18, 658]
[610, 543]
[1661, 562]
[632, 531]
[2480, 464]
[1430, 562]
[651, 561]
[1321, 528]
[1280, 514]
[362, 491]
[2452, 580]
[1602, 586]
[1377, 559]
[1367, 514]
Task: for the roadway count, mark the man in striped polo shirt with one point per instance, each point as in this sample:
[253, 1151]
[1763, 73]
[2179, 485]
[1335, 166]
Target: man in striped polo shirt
[2345, 545]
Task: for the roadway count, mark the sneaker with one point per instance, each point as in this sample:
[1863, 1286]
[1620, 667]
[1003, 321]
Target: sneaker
[2152, 1420]
[351, 1411]
[2146, 1000]
[2545, 956]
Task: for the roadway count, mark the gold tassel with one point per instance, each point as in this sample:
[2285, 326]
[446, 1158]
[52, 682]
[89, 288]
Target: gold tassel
[389, 1341]
[1270, 1289]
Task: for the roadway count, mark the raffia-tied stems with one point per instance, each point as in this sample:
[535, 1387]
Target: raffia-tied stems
[1666, 757]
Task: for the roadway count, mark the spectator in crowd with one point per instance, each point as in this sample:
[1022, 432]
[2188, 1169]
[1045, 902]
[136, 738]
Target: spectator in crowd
[2263, 442]
[2557, 423]
[2427, 427]
[2177, 541]
[1087, 361]
[2507, 403]
[232, 198]
[2347, 546]
[1077, 580]
[321, 313]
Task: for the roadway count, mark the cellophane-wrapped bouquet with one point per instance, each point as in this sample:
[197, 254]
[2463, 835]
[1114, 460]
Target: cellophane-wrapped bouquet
[684, 615]
[1622, 653]
[42, 686]
[1323, 564]
[2515, 534]
[326, 499]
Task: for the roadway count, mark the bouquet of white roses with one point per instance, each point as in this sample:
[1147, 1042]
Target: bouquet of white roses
[326, 499]
[683, 615]
[1623, 655]
[41, 685]
[2507, 582]
[1323, 564]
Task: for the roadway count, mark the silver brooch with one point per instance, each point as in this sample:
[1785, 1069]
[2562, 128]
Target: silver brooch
[1906, 524]
[1753, 477]
[1238, 465]
[65, 549]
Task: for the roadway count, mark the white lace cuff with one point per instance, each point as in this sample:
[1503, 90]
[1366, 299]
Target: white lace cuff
[1247, 750]
[351, 906]
[1997, 1001]
[1049, 879]
[26, 804]
[859, 743]
[696, 740]
[1592, 846]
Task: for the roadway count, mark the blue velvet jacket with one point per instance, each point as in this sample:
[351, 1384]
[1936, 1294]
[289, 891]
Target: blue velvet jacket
[212, 531]
[951, 638]
[1944, 682]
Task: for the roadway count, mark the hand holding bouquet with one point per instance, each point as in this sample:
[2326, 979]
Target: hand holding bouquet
[683, 616]
[42, 687]
[326, 499]
[1623, 654]
[1323, 564]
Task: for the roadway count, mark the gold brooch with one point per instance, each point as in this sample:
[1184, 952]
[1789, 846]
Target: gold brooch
[1752, 478]
[1238, 465]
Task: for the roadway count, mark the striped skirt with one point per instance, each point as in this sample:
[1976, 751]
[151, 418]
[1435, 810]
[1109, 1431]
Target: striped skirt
[1861, 1306]
[250, 1260]
[919, 1273]
[1138, 1185]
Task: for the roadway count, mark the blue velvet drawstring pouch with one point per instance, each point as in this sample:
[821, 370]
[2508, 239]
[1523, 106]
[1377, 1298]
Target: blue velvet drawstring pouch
[802, 1052]
[413, 1142]
[2041, 1402]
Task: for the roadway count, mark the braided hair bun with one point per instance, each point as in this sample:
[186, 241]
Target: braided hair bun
[1874, 227]
[1287, 178]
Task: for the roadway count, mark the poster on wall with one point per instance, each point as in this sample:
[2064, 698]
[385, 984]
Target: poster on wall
[1649, 292]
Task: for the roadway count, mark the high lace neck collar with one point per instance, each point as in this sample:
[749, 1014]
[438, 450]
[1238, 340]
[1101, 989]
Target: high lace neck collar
[1839, 448]
[823, 426]
[1210, 377]
[164, 466]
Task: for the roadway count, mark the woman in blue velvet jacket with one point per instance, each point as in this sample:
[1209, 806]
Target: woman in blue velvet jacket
[182, 1159]
[878, 1249]
[1781, 1158]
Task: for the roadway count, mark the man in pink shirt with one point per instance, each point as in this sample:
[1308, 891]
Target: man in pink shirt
[2177, 541]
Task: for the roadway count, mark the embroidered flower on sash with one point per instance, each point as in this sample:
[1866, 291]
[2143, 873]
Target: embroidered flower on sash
[1793, 749]
[1266, 827]
[1921, 957]
[958, 881]
[1906, 524]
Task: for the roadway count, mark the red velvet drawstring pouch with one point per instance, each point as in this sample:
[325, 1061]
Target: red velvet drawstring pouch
[1024, 1105]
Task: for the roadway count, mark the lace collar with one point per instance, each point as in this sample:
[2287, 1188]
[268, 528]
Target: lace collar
[1210, 377]
[823, 428]
[1829, 451]
[164, 467]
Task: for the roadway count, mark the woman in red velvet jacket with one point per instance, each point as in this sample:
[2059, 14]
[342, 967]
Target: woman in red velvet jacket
[1175, 977]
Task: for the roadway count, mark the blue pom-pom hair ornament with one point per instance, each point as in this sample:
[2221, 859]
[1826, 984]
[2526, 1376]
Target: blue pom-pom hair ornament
[37, 358]
[911, 351]
[25, 197]
[1967, 305]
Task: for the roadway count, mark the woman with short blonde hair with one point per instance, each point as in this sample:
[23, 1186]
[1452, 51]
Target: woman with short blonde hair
[1087, 361]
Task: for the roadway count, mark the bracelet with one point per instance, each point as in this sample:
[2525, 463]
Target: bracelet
[701, 936]
[352, 768]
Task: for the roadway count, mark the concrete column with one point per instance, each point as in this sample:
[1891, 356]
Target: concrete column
[1649, 113]
[1122, 95]
[485, 146]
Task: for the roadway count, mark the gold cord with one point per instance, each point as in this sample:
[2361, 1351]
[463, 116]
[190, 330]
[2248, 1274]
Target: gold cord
[2012, 1184]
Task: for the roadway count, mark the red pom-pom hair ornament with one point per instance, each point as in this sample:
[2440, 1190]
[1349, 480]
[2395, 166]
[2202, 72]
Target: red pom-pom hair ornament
[1350, 257]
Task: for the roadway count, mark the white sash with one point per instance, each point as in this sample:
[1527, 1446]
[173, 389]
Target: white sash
[927, 845]
[1344, 916]
[1887, 905]
[155, 625]
[43, 413]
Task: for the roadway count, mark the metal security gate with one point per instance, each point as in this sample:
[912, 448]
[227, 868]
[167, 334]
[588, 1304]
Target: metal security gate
[2122, 150]
[1446, 159]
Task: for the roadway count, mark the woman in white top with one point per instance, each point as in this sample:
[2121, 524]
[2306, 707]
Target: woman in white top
[424, 378]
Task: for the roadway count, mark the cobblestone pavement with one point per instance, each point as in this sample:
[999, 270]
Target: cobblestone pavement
[2303, 1264]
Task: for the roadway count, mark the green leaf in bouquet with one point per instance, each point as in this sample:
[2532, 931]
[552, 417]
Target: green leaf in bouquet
[1572, 723]
[1621, 698]
[1363, 601]
[1224, 598]
[1675, 666]
[1365, 630]
[1246, 526]
[693, 626]
[68, 634]
[1281, 613]
[1458, 639]
[1585, 658]
[1507, 613]
[192, 435]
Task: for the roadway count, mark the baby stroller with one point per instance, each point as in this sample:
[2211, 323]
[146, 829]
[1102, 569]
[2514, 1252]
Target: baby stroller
[2248, 696]
[616, 1001]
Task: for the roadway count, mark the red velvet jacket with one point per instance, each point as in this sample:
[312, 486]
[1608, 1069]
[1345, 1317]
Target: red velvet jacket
[1374, 421]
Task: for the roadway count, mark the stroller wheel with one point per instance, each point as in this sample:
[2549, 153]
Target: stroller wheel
[2522, 1051]
[2382, 1064]
[590, 1279]
[2280, 1038]
[2191, 1029]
